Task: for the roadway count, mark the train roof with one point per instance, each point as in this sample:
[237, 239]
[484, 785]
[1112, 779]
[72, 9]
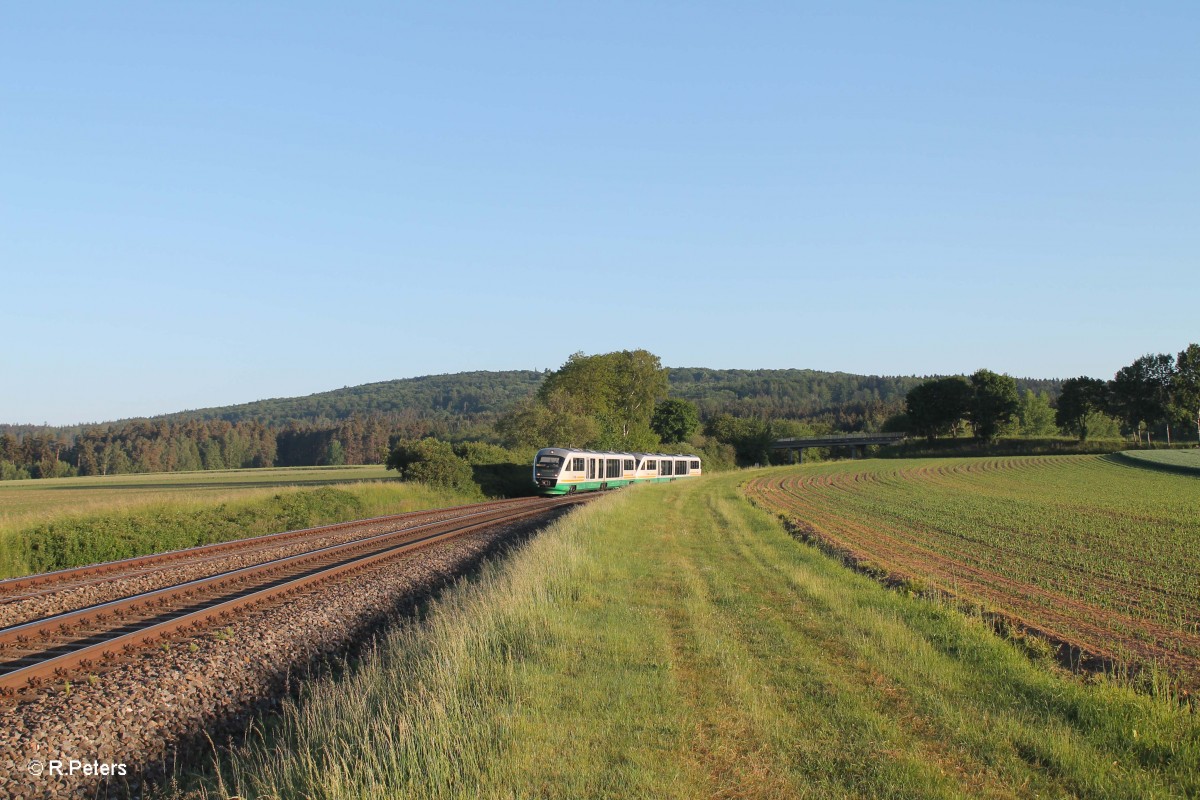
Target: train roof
[617, 453]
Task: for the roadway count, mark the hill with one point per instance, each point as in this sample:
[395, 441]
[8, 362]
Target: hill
[743, 392]
[356, 425]
[464, 394]
[468, 396]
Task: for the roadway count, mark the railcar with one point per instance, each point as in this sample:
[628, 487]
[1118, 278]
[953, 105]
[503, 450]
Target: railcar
[560, 470]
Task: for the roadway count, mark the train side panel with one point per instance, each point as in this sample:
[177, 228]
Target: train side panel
[559, 471]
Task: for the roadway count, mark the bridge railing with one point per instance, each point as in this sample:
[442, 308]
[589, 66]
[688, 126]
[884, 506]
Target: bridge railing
[841, 440]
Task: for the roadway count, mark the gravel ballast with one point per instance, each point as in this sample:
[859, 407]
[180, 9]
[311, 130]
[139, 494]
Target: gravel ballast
[167, 704]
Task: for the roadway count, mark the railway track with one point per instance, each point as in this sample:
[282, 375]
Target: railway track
[14, 590]
[56, 647]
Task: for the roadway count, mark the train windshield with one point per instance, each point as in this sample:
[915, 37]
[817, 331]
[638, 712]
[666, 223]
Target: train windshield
[548, 464]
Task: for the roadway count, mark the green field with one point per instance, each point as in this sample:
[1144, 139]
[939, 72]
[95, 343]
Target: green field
[1180, 460]
[21, 501]
[674, 641]
[1086, 550]
[66, 522]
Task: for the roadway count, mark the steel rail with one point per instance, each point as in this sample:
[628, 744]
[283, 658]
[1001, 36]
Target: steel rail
[195, 615]
[129, 566]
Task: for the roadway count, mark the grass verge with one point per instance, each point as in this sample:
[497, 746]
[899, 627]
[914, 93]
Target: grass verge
[675, 641]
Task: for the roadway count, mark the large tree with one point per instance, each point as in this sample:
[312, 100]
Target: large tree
[936, 407]
[1186, 385]
[1141, 392]
[1080, 398]
[994, 402]
[604, 401]
[675, 420]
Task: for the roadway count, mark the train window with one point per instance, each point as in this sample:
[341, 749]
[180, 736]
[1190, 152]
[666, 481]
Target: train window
[681, 468]
[548, 465]
[576, 464]
[695, 465]
[651, 465]
[665, 467]
[629, 464]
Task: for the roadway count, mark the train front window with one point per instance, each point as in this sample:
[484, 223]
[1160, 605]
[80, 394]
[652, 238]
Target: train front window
[548, 465]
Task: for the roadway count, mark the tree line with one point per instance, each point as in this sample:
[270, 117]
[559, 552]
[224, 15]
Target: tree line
[163, 446]
[620, 401]
[1155, 392]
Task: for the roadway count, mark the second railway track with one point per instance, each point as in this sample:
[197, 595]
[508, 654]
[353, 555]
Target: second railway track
[56, 647]
[36, 596]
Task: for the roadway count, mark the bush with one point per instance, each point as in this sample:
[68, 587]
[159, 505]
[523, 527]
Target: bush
[431, 462]
[716, 456]
[499, 472]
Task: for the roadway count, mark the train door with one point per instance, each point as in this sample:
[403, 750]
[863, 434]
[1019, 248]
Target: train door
[591, 470]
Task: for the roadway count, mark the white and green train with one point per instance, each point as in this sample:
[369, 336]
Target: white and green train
[559, 470]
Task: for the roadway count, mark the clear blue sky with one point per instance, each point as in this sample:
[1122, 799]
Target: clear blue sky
[210, 203]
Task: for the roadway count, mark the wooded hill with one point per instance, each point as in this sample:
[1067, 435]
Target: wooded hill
[470, 396]
[464, 394]
[355, 424]
[789, 393]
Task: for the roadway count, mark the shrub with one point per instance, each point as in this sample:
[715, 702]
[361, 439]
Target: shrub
[432, 462]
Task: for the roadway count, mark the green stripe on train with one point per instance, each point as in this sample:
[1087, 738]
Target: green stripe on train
[591, 486]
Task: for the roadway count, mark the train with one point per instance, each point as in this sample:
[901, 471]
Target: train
[563, 470]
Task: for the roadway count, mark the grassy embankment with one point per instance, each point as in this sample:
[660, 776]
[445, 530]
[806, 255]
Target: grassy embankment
[675, 641]
[65, 522]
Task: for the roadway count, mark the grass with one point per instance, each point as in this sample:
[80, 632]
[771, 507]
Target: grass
[674, 641]
[1172, 460]
[22, 502]
[1083, 548]
[54, 524]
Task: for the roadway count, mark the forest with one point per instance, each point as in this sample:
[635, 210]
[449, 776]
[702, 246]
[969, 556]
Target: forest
[608, 400]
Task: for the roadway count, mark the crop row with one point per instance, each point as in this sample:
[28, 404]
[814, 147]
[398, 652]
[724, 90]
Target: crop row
[1084, 548]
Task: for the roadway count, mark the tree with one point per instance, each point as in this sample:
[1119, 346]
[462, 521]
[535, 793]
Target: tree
[603, 401]
[1078, 403]
[751, 438]
[430, 461]
[935, 407]
[1141, 392]
[1187, 384]
[994, 401]
[674, 420]
[556, 422]
[1036, 415]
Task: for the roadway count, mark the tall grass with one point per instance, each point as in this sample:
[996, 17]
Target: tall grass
[141, 527]
[674, 641]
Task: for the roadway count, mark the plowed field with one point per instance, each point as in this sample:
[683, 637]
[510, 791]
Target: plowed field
[1083, 549]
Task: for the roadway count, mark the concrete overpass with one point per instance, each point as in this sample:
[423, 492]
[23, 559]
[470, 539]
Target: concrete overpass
[857, 442]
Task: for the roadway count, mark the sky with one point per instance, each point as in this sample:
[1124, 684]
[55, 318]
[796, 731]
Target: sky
[211, 203]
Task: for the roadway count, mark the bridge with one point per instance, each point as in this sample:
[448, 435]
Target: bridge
[857, 442]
